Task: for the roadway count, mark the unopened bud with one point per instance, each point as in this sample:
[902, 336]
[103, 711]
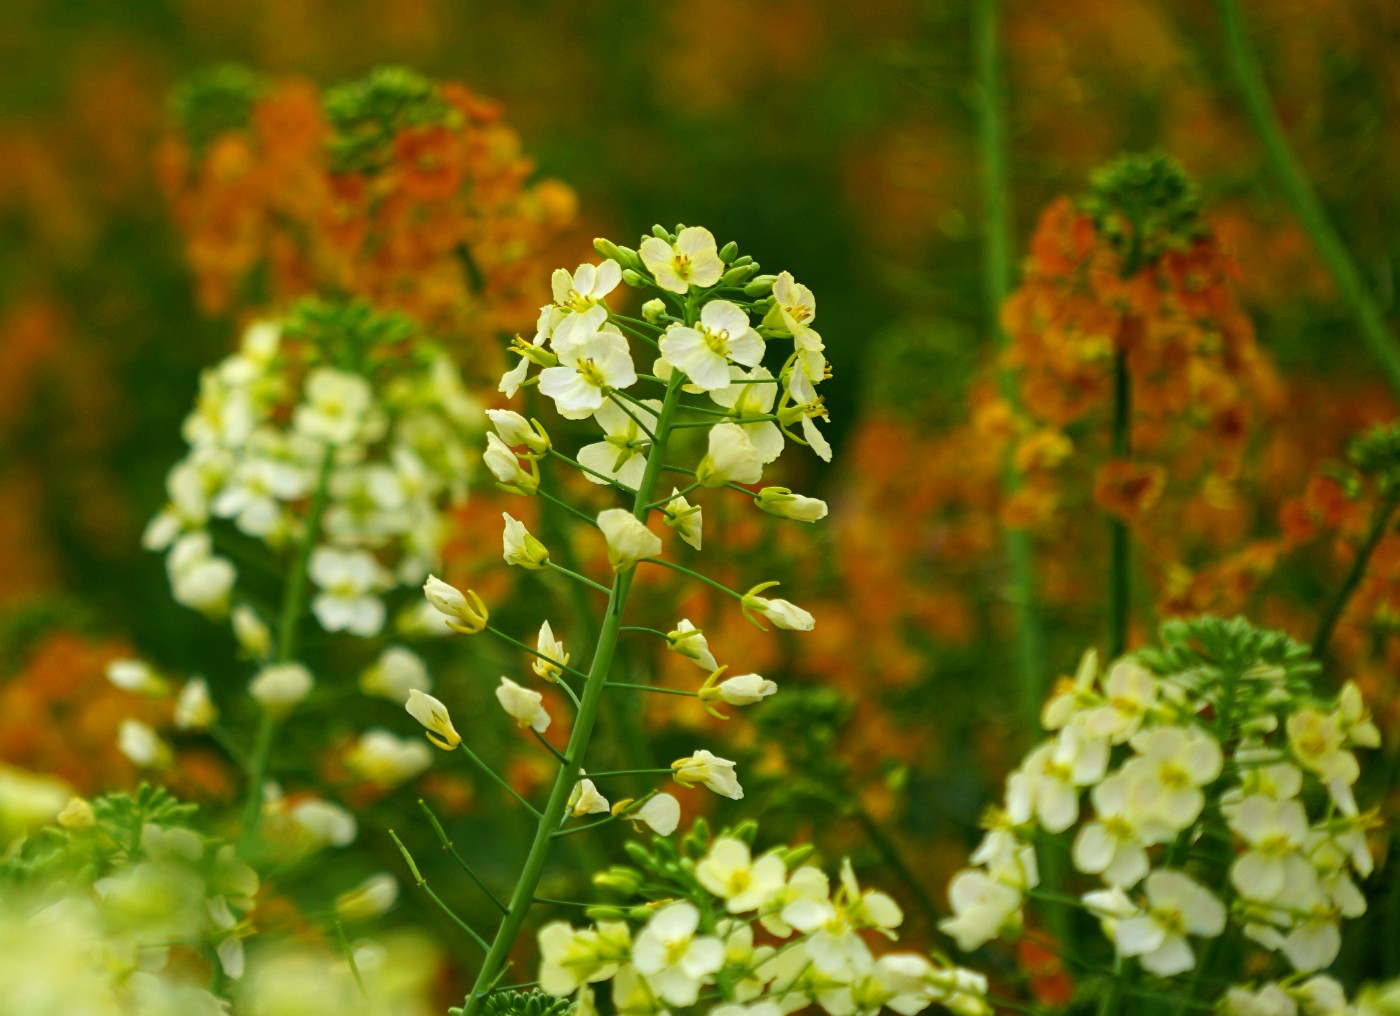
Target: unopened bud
[729, 252]
[653, 310]
[633, 278]
[736, 276]
[761, 286]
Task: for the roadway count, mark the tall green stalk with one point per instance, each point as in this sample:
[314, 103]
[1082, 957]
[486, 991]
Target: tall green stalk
[1244, 62]
[523, 896]
[293, 606]
[996, 284]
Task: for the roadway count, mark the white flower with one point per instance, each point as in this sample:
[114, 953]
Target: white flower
[198, 578]
[1273, 830]
[1270, 1000]
[137, 677]
[982, 907]
[693, 261]
[833, 925]
[570, 957]
[552, 659]
[753, 399]
[325, 823]
[715, 773]
[434, 716]
[674, 960]
[1177, 906]
[689, 641]
[662, 813]
[255, 494]
[731, 458]
[350, 581]
[516, 431]
[505, 466]
[279, 687]
[394, 674]
[194, 709]
[815, 439]
[369, 899]
[685, 518]
[523, 705]
[336, 406]
[783, 503]
[1047, 784]
[579, 297]
[521, 548]
[794, 306]
[722, 334]
[729, 871]
[253, 635]
[1007, 858]
[587, 370]
[142, 746]
[1113, 845]
[745, 689]
[1071, 696]
[1356, 718]
[1130, 691]
[629, 540]
[1172, 766]
[622, 454]
[464, 612]
[584, 799]
[782, 613]
[1318, 743]
[383, 758]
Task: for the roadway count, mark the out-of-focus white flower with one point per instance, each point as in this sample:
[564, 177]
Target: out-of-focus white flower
[588, 369]
[199, 579]
[326, 824]
[629, 540]
[29, 801]
[143, 746]
[729, 871]
[781, 613]
[194, 709]
[394, 674]
[622, 454]
[584, 799]
[783, 503]
[465, 612]
[1113, 845]
[982, 907]
[722, 334]
[523, 705]
[552, 659]
[350, 581]
[714, 772]
[280, 686]
[731, 458]
[1319, 745]
[335, 407]
[434, 717]
[685, 518]
[570, 957]
[1274, 831]
[137, 677]
[383, 758]
[253, 635]
[689, 641]
[520, 547]
[369, 899]
[1177, 906]
[692, 261]
[1172, 765]
[77, 815]
[673, 958]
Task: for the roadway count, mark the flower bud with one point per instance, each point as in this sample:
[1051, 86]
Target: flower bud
[194, 709]
[280, 687]
[549, 664]
[585, 800]
[369, 899]
[515, 431]
[729, 252]
[522, 705]
[464, 612]
[137, 677]
[684, 518]
[760, 286]
[741, 690]
[783, 503]
[738, 275]
[624, 256]
[653, 310]
[629, 540]
[633, 278]
[782, 613]
[732, 458]
[434, 717]
[705, 768]
[689, 641]
[253, 635]
[77, 816]
[505, 467]
[520, 547]
[625, 880]
[662, 233]
[142, 746]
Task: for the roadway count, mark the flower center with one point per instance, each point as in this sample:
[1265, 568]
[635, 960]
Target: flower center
[676, 950]
[681, 264]
[589, 371]
[717, 340]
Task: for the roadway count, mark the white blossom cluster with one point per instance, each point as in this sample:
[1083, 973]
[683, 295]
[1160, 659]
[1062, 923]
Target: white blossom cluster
[368, 443]
[753, 937]
[1205, 801]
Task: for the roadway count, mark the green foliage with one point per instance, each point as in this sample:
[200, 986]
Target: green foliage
[216, 101]
[1144, 205]
[346, 333]
[366, 114]
[1376, 454]
[1212, 652]
[524, 1003]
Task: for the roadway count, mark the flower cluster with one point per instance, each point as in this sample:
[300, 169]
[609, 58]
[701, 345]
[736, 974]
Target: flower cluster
[723, 931]
[335, 433]
[1221, 803]
[393, 188]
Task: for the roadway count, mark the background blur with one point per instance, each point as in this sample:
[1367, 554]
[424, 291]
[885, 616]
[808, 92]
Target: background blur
[836, 140]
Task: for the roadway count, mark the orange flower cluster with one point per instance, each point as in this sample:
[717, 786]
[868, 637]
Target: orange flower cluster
[413, 195]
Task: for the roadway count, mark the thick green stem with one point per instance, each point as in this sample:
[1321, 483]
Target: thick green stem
[996, 284]
[1120, 547]
[1379, 525]
[524, 895]
[293, 606]
[1301, 195]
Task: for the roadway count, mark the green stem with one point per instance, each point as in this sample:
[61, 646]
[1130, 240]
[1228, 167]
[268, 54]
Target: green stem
[293, 606]
[650, 687]
[451, 848]
[1120, 547]
[524, 895]
[1301, 195]
[422, 883]
[694, 574]
[533, 651]
[498, 778]
[996, 285]
[581, 579]
[1379, 525]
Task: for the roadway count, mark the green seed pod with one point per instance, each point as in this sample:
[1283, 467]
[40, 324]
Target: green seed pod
[746, 831]
[737, 276]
